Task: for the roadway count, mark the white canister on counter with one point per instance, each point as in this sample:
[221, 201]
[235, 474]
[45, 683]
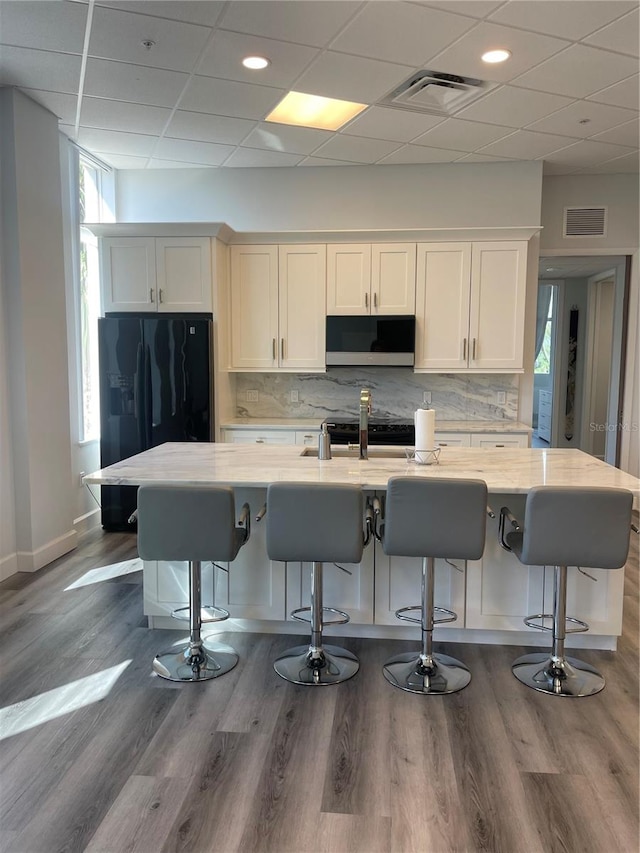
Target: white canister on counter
[425, 422]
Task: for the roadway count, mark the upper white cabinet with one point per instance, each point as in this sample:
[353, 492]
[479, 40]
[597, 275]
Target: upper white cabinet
[470, 301]
[156, 273]
[365, 278]
[278, 308]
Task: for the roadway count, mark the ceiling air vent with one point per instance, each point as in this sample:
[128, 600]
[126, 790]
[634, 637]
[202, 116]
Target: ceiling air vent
[436, 93]
[585, 222]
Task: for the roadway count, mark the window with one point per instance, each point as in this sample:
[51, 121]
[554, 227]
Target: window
[543, 360]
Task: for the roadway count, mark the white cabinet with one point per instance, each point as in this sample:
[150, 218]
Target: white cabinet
[453, 439]
[365, 278]
[259, 436]
[508, 439]
[156, 274]
[470, 301]
[278, 308]
[307, 438]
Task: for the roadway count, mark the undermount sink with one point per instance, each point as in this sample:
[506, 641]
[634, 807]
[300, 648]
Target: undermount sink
[354, 453]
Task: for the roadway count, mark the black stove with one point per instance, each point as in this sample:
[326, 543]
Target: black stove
[380, 432]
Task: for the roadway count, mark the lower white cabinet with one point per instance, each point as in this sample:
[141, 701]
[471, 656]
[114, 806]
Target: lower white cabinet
[508, 439]
[453, 439]
[258, 436]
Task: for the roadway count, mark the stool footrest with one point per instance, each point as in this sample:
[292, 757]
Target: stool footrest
[343, 621]
[207, 614]
[450, 615]
[579, 629]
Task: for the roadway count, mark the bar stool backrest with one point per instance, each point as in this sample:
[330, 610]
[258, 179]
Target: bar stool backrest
[435, 518]
[566, 526]
[315, 523]
[190, 523]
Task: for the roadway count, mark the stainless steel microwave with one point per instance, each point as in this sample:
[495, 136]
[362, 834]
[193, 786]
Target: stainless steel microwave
[370, 340]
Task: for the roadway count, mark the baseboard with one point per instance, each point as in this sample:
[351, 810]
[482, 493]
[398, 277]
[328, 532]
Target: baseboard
[31, 561]
[88, 521]
[8, 566]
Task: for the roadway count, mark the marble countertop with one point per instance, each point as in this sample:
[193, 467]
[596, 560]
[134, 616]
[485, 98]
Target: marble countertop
[441, 426]
[508, 471]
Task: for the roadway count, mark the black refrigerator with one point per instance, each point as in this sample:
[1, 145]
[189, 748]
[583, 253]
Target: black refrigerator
[155, 386]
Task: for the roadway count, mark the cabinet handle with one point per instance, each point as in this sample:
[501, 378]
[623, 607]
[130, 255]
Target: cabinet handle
[150, 294]
[259, 440]
[464, 349]
[273, 349]
[366, 300]
[282, 348]
[499, 445]
[442, 444]
[375, 300]
[160, 295]
[473, 357]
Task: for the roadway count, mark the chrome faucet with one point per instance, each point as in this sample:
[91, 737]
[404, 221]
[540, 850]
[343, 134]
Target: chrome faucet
[365, 411]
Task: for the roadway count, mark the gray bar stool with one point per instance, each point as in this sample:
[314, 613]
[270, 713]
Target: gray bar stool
[432, 518]
[315, 523]
[563, 527]
[193, 523]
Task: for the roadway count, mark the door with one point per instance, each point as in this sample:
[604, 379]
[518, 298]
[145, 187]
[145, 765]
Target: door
[254, 307]
[301, 307]
[349, 279]
[122, 404]
[128, 272]
[177, 380]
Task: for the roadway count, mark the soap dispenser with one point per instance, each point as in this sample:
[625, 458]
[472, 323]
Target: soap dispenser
[324, 442]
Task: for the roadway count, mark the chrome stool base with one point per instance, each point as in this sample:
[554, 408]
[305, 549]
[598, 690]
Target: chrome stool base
[408, 672]
[568, 677]
[182, 665]
[305, 665]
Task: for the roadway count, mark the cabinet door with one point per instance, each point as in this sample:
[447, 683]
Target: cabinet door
[183, 267]
[442, 305]
[453, 439]
[498, 289]
[349, 279]
[393, 278]
[301, 307]
[259, 436]
[307, 438]
[128, 272]
[254, 307]
[508, 439]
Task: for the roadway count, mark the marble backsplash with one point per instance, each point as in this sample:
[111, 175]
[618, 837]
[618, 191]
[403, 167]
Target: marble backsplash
[396, 393]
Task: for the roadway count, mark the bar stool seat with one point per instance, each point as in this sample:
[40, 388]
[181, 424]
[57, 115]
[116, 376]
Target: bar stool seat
[584, 527]
[315, 523]
[432, 518]
[194, 524]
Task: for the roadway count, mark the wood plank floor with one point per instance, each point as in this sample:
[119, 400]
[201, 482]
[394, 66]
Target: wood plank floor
[98, 754]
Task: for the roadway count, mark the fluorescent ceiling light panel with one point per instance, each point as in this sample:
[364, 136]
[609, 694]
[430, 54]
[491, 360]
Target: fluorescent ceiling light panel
[314, 111]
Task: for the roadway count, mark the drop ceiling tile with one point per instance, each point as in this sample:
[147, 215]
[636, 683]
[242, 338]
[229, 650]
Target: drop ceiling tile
[566, 121]
[223, 58]
[208, 128]
[156, 163]
[400, 32]
[352, 78]
[462, 135]
[251, 157]
[61, 105]
[188, 151]
[124, 161]
[229, 98]
[287, 138]
[621, 36]
[463, 57]
[578, 71]
[623, 134]
[44, 25]
[419, 154]
[116, 142]
[121, 115]
[134, 83]
[629, 164]
[586, 153]
[526, 145]
[29, 69]
[472, 8]
[623, 94]
[325, 161]
[570, 19]
[192, 11]
[390, 123]
[356, 148]
[481, 157]
[313, 22]
[118, 35]
[509, 106]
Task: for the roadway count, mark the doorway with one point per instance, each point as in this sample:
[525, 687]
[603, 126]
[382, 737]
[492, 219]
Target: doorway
[577, 402]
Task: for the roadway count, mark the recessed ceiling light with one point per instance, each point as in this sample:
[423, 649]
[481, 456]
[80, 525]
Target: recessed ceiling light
[498, 55]
[314, 111]
[255, 63]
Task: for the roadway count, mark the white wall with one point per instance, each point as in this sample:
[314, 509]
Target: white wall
[8, 555]
[336, 197]
[35, 342]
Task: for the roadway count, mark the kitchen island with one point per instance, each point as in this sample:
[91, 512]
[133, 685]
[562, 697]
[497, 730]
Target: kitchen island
[491, 595]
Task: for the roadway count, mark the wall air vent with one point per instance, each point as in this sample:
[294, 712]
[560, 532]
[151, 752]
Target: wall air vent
[585, 222]
[436, 92]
